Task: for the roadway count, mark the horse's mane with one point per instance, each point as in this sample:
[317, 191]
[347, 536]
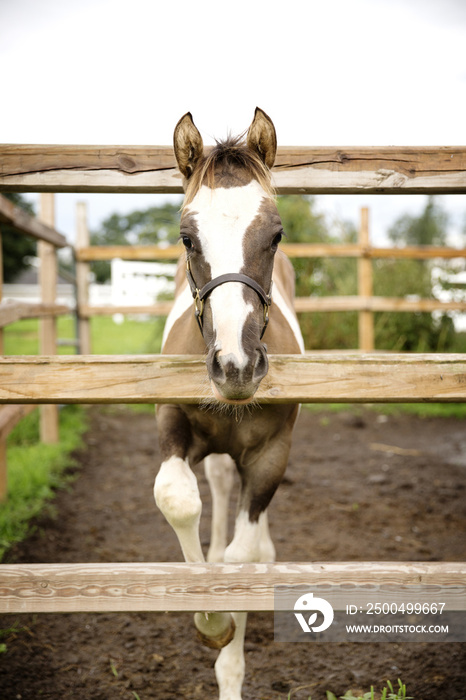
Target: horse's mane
[234, 152]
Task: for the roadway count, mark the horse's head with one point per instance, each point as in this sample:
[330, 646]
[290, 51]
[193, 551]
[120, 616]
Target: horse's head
[231, 229]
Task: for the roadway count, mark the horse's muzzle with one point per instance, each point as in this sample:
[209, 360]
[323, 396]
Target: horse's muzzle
[234, 381]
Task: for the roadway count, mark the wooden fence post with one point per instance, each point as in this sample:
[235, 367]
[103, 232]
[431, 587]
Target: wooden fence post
[82, 280]
[365, 286]
[48, 274]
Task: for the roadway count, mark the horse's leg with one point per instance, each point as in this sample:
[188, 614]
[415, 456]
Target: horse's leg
[266, 546]
[219, 470]
[260, 478]
[230, 664]
[177, 495]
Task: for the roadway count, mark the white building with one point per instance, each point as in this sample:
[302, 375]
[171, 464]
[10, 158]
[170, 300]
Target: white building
[140, 283]
[132, 284]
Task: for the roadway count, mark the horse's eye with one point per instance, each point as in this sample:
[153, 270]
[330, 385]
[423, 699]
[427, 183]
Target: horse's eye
[276, 240]
[187, 242]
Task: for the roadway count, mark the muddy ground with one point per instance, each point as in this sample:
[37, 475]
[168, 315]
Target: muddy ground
[360, 486]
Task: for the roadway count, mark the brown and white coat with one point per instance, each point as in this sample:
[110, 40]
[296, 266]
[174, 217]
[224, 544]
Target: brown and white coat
[229, 224]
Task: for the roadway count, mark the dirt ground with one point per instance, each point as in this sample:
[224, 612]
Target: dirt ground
[360, 486]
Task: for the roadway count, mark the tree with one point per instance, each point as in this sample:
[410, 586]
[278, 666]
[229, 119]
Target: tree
[420, 332]
[429, 228]
[417, 332]
[321, 276]
[150, 226]
[16, 247]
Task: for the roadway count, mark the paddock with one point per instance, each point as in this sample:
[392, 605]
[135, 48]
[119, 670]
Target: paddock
[48, 379]
[358, 489]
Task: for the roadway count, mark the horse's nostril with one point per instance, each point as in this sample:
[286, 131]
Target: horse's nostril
[261, 366]
[217, 371]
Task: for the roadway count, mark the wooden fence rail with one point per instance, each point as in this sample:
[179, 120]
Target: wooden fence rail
[184, 587]
[314, 378]
[293, 250]
[298, 170]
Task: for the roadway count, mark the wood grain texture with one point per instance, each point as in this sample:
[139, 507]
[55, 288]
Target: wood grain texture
[68, 168]
[358, 303]
[16, 310]
[128, 252]
[48, 279]
[160, 308]
[11, 416]
[366, 340]
[18, 219]
[83, 273]
[183, 379]
[293, 250]
[302, 305]
[192, 587]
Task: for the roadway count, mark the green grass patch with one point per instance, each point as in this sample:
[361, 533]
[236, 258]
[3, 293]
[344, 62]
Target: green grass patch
[423, 410]
[22, 337]
[126, 338]
[36, 471]
[388, 692]
[107, 337]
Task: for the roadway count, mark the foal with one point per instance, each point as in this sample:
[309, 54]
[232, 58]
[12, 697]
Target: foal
[230, 228]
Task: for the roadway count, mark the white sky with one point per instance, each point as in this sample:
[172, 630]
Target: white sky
[328, 72]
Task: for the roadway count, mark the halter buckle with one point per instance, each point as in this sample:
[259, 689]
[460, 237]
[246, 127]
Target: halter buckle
[199, 304]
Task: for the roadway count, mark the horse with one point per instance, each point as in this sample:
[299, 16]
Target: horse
[233, 304]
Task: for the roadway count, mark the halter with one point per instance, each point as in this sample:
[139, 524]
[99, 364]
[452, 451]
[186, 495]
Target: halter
[200, 295]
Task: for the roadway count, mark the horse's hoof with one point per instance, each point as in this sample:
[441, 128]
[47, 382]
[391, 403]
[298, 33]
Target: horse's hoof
[214, 630]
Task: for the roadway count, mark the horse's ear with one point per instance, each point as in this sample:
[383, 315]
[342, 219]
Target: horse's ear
[188, 145]
[262, 137]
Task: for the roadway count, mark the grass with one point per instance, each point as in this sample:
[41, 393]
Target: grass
[128, 338]
[108, 338]
[387, 693]
[36, 471]
[22, 337]
[423, 410]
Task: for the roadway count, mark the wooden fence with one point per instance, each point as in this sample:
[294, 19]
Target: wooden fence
[87, 379]
[365, 303]
[49, 241]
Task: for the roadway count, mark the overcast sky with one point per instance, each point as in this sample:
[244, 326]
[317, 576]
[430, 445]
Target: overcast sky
[328, 72]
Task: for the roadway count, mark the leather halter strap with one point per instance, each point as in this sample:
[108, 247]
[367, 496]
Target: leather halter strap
[200, 295]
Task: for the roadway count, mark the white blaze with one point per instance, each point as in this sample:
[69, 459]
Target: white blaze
[223, 215]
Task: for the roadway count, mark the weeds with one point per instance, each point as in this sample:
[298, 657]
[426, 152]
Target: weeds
[113, 668]
[387, 693]
[10, 632]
